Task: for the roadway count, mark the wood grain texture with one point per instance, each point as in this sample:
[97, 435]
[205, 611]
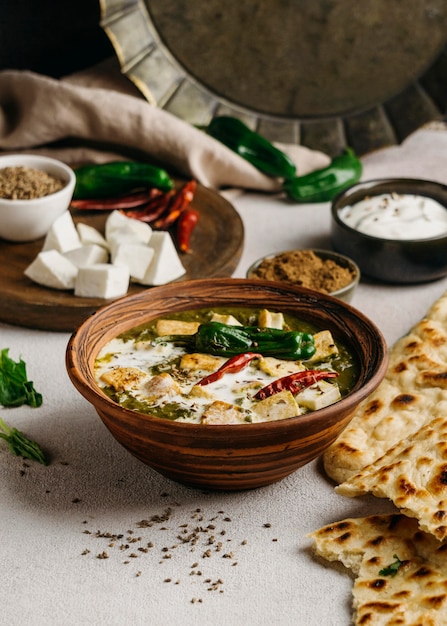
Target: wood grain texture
[217, 246]
[230, 457]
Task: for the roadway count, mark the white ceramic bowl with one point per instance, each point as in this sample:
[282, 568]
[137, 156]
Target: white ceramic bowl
[27, 220]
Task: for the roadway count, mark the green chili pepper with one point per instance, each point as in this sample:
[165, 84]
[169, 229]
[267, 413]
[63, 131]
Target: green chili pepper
[251, 146]
[323, 185]
[226, 340]
[111, 179]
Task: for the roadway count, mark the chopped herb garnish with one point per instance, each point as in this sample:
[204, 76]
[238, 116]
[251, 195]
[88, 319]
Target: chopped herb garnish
[21, 445]
[393, 568]
[15, 388]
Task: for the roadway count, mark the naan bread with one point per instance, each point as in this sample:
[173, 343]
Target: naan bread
[416, 595]
[413, 392]
[413, 474]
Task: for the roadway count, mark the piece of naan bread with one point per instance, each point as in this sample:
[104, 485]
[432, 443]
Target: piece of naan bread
[415, 595]
[413, 474]
[413, 392]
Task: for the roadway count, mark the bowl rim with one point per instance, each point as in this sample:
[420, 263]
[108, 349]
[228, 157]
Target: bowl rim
[75, 352]
[371, 184]
[332, 254]
[14, 160]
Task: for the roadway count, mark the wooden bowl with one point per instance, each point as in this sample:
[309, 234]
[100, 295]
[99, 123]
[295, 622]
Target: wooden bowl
[226, 457]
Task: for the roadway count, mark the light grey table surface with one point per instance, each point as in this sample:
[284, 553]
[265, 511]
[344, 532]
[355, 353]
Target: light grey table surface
[56, 522]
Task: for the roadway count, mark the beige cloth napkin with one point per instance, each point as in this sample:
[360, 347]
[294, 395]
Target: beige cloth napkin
[80, 123]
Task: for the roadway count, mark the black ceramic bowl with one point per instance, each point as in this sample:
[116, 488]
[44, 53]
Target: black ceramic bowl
[391, 260]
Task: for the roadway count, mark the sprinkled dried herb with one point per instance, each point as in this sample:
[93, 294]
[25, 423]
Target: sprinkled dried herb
[197, 533]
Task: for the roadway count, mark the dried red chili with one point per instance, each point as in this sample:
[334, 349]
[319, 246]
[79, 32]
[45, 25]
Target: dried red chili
[129, 201]
[178, 204]
[152, 210]
[294, 382]
[186, 224]
[232, 366]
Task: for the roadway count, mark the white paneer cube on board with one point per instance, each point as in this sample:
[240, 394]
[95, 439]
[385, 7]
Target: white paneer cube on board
[90, 235]
[119, 238]
[62, 235]
[87, 255]
[103, 280]
[135, 256]
[166, 265]
[130, 250]
[119, 225]
[51, 269]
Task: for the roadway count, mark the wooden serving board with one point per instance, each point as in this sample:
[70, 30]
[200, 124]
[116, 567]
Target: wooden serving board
[216, 243]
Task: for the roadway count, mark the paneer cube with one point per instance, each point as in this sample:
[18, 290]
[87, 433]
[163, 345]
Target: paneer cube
[230, 320]
[119, 226]
[279, 368]
[268, 319]
[90, 235]
[102, 280]
[278, 407]
[87, 255]
[199, 391]
[137, 257]
[166, 265]
[325, 346]
[223, 413]
[161, 386]
[196, 362]
[124, 378]
[175, 327]
[319, 395]
[51, 269]
[62, 235]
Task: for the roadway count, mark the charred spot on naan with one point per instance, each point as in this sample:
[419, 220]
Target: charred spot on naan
[400, 367]
[373, 407]
[438, 483]
[404, 400]
[432, 379]
[433, 335]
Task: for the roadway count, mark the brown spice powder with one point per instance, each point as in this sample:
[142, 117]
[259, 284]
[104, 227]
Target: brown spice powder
[26, 183]
[307, 269]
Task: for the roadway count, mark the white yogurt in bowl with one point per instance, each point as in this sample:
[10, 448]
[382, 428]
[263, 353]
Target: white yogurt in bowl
[395, 229]
[397, 216]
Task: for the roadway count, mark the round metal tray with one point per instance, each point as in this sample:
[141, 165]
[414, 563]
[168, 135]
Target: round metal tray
[324, 74]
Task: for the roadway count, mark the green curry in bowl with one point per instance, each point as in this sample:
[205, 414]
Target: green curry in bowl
[226, 366]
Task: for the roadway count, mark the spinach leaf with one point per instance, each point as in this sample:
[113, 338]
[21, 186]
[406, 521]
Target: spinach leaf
[15, 388]
[21, 445]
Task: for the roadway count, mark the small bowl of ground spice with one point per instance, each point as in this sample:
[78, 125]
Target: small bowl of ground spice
[34, 192]
[324, 271]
